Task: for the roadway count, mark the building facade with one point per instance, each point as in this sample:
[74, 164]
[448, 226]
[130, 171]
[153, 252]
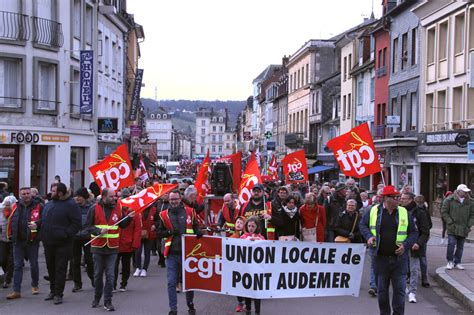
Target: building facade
[211, 133]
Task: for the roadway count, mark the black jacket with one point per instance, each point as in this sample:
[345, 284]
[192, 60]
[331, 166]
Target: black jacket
[61, 221]
[84, 210]
[277, 204]
[284, 225]
[423, 225]
[21, 217]
[178, 221]
[344, 224]
[334, 207]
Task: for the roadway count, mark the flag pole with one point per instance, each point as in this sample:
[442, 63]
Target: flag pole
[96, 237]
[383, 178]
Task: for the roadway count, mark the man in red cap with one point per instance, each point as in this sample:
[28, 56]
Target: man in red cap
[390, 229]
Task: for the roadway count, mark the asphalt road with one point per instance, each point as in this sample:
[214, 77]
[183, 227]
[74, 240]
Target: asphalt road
[149, 296]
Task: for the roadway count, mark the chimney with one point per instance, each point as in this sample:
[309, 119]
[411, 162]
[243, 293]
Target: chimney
[284, 60]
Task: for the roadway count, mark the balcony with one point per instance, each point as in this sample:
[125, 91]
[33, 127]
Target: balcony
[380, 72]
[294, 140]
[14, 26]
[380, 132]
[47, 33]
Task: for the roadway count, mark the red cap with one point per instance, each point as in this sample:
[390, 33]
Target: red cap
[390, 191]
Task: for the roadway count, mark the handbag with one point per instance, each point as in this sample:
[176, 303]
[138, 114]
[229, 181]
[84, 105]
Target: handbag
[343, 239]
[310, 235]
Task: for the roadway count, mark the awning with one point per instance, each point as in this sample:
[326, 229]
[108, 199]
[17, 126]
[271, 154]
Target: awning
[319, 168]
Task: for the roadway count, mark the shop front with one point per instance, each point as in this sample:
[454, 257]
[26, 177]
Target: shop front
[9, 166]
[329, 170]
[444, 165]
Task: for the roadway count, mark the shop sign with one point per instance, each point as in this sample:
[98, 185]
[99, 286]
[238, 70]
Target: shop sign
[470, 151]
[54, 138]
[135, 130]
[460, 138]
[393, 121]
[86, 81]
[107, 125]
[24, 137]
[136, 95]
[271, 145]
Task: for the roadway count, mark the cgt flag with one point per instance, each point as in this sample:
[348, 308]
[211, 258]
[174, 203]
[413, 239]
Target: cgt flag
[273, 168]
[250, 178]
[294, 167]
[355, 152]
[236, 160]
[146, 197]
[115, 171]
[202, 184]
[142, 172]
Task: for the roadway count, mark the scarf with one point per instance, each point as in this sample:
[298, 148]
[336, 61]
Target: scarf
[290, 212]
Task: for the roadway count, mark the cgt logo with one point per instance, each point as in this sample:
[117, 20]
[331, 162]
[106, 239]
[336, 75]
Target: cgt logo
[248, 181]
[202, 263]
[117, 171]
[360, 155]
[295, 167]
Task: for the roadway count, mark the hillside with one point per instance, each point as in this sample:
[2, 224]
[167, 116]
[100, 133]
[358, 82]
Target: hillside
[184, 110]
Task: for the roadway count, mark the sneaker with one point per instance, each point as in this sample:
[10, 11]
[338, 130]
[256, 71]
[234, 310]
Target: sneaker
[372, 292]
[49, 297]
[239, 308]
[123, 288]
[95, 303]
[425, 284]
[35, 290]
[412, 298]
[459, 267]
[13, 296]
[450, 265]
[76, 288]
[58, 300]
[137, 273]
[114, 290]
[109, 307]
[143, 273]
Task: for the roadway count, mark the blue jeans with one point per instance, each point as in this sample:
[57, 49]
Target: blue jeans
[458, 242]
[391, 269]
[22, 249]
[104, 262]
[146, 247]
[373, 274]
[414, 274]
[173, 268]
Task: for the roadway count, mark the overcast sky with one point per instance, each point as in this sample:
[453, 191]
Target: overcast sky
[213, 49]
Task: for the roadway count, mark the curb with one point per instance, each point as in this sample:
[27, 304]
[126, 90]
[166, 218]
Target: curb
[467, 240]
[455, 288]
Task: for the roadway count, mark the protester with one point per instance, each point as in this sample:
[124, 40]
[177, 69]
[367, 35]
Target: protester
[347, 224]
[259, 207]
[6, 248]
[162, 204]
[418, 249]
[252, 232]
[22, 229]
[354, 192]
[3, 191]
[228, 214]
[238, 230]
[286, 220]
[148, 238]
[323, 195]
[78, 246]
[392, 231]
[313, 219]
[420, 202]
[176, 221]
[60, 224]
[280, 199]
[366, 203]
[335, 205]
[458, 212]
[129, 241]
[103, 222]
[190, 200]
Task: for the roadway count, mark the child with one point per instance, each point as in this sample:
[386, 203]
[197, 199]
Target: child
[239, 227]
[252, 233]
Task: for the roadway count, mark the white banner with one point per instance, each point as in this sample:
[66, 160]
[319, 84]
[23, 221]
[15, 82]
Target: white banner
[271, 269]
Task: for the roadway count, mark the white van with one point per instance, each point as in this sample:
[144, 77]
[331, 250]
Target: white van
[172, 169]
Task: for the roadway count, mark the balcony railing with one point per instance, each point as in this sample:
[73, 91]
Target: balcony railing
[380, 132]
[47, 32]
[380, 72]
[14, 26]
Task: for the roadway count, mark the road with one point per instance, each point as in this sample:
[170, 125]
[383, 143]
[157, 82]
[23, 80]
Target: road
[149, 296]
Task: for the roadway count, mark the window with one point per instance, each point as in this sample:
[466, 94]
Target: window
[213, 138]
[77, 168]
[302, 76]
[203, 131]
[349, 62]
[39, 162]
[413, 110]
[305, 126]
[77, 19]
[220, 148]
[457, 104]
[471, 28]
[228, 137]
[430, 50]
[413, 46]
[213, 149]
[220, 138]
[404, 113]
[202, 149]
[221, 119]
[47, 86]
[349, 105]
[203, 139]
[394, 55]
[344, 104]
[307, 73]
[429, 112]
[379, 59]
[75, 101]
[11, 82]
[372, 89]
[441, 109]
[298, 77]
[89, 24]
[318, 109]
[404, 51]
[459, 34]
[443, 41]
[214, 128]
[345, 69]
[107, 53]
[227, 146]
[395, 107]
[291, 81]
[360, 92]
[221, 128]
[384, 56]
[203, 123]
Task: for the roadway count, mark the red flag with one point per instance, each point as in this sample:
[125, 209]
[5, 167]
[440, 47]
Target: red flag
[146, 197]
[115, 171]
[202, 183]
[355, 152]
[250, 178]
[142, 172]
[294, 167]
[236, 160]
[273, 168]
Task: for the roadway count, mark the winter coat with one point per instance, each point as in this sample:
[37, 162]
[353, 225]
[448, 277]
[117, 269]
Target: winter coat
[459, 217]
[344, 225]
[284, 225]
[61, 221]
[130, 237]
[148, 220]
[15, 218]
[422, 224]
[308, 219]
[84, 209]
[334, 207]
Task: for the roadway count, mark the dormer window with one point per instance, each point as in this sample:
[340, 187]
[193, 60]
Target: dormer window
[165, 116]
[158, 116]
[221, 119]
[214, 119]
[152, 116]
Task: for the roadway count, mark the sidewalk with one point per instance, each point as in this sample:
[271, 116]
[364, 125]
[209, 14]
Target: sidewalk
[437, 230]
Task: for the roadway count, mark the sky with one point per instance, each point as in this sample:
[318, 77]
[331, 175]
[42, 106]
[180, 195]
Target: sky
[213, 49]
